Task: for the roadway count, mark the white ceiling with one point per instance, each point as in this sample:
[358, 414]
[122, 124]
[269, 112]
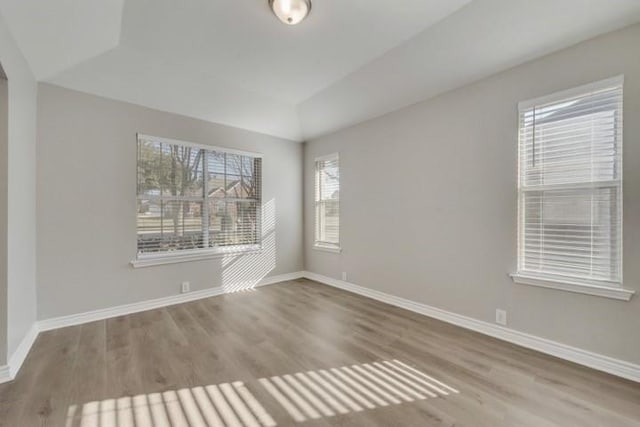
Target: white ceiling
[481, 39]
[232, 62]
[55, 35]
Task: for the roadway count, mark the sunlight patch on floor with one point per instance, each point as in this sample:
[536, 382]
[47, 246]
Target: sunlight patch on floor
[304, 396]
[213, 406]
[337, 391]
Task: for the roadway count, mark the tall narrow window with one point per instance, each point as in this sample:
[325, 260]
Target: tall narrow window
[570, 186]
[327, 203]
[196, 198]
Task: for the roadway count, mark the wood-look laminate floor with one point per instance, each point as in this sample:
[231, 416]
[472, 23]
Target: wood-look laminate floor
[301, 353]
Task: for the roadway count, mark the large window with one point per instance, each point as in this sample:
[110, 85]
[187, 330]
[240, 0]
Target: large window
[570, 186]
[195, 198]
[327, 203]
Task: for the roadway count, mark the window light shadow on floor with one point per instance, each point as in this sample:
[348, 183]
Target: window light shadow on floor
[244, 272]
[304, 396]
[214, 405]
[338, 391]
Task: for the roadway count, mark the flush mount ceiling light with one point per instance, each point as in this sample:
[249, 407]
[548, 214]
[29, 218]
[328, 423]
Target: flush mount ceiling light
[291, 12]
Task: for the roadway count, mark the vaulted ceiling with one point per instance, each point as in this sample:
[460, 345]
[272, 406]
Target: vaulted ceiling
[232, 62]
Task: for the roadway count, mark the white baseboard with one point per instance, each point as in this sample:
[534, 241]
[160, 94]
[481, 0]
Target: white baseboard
[593, 360]
[281, 278]
[9, 371]
[107, 313]
[20, 355]
[120, 310]
[5, 374]
[607, 364]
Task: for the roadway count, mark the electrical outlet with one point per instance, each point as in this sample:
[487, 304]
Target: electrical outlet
[344, 276]
[501, 317]
[186, 287]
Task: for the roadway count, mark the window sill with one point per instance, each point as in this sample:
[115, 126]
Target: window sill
[327, 248]
[150, 260]
[573, 286]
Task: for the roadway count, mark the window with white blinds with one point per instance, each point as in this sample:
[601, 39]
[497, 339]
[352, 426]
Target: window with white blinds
[570, 185]
[327, 202]
[195, 198]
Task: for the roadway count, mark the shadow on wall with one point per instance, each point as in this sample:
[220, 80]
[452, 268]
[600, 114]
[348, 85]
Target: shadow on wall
[244, 272]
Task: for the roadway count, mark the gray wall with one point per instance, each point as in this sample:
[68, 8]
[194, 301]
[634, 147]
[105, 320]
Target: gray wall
[86, 176]
[4, 148]
[428, 202]
[20, 198]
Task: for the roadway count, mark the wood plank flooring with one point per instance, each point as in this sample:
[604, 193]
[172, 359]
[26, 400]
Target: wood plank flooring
[300, 353]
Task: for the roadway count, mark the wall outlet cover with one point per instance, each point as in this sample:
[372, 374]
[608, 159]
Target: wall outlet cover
[501, 317]
[186, 287]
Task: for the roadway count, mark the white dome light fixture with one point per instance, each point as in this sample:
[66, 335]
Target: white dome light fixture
[291, 12]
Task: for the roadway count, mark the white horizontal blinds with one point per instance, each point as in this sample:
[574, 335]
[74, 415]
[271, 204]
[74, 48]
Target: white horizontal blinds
[570, 192]
[327, 201]
[194, 198]
[233, 199]
[170, 197]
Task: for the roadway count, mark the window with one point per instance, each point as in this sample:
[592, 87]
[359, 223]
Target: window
[570, 186]
[327, 203]
[196, 199]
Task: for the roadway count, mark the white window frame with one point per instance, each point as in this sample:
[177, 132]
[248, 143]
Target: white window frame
[159, 258]
[598, 288]
[317, 243]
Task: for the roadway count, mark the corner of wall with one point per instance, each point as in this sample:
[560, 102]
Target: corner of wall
[20, 200]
